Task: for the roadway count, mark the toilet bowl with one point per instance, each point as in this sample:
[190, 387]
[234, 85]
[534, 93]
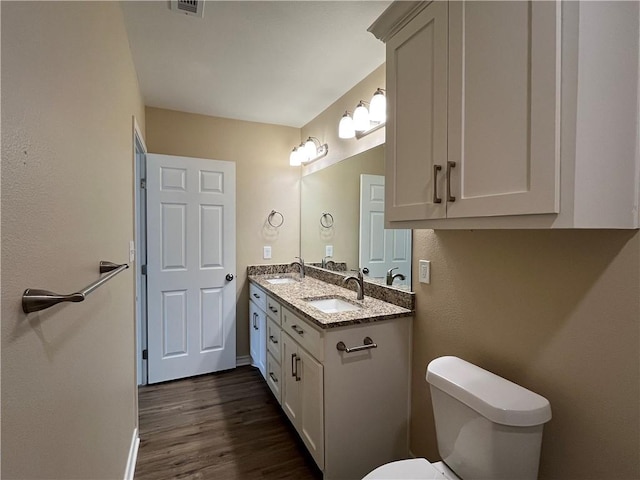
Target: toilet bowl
[486, 427]
[413, 469]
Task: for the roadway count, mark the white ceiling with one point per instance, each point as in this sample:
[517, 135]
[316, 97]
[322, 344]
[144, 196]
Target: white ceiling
[280, 62]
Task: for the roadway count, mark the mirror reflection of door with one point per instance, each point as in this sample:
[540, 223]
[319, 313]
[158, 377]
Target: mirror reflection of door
[381, 250]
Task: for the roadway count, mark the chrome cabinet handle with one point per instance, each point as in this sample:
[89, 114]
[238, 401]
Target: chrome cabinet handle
[256, 295]
[436, 169]
[255, 316]
[274, 310]
[296, 329]
[450, 165]
[273, 340]
[294, 365]
[273, 377]
[368, 343]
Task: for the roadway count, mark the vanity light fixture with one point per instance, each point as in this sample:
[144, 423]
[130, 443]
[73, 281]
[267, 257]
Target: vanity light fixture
[346, 129]
[308, 152]
[365, 121]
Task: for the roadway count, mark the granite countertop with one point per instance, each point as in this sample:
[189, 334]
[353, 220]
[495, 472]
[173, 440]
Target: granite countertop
[292, 296]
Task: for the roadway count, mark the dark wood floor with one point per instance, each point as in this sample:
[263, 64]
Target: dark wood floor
[223, 426]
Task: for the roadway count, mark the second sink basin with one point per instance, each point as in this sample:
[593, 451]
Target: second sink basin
[333, 304]
[280, 281]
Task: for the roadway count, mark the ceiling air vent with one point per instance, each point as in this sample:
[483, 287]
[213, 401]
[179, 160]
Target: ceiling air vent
[189, 7]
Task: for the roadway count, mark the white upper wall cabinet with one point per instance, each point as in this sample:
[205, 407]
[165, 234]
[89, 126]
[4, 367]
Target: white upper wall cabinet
[511, 114]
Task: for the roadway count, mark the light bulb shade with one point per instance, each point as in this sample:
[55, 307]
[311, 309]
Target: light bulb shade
[378, 107]
[310, 149]
[361, 118]
[294, 158]
[346, 128]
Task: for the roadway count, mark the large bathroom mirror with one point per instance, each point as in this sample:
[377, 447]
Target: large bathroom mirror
[342, 220]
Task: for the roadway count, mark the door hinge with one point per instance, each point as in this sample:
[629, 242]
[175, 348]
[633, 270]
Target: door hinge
[145, 354]
[143, 183]
[143, 269]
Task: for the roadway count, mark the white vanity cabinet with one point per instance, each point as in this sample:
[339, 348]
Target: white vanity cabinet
[258, 328]
[350, 409]
[511, 114]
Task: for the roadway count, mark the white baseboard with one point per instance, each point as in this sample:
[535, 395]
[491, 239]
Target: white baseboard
[242, 361]
[133, 455]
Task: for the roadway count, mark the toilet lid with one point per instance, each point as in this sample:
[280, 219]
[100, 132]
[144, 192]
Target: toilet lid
[413, 469]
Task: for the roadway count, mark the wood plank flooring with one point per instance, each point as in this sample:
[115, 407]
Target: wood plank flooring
[222, 426]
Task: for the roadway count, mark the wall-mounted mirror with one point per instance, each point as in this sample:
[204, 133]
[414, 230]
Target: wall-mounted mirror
[342, 220]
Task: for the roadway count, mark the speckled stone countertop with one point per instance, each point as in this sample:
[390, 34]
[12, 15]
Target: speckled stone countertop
[293, 295]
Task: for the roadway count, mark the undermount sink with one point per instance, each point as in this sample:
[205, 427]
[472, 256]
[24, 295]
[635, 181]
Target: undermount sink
[333, 305]
[281, 281]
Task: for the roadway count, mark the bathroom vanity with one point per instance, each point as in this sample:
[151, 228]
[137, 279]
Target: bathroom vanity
[339, 368]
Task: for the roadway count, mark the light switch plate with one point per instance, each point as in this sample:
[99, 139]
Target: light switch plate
[266, 252]
[425, 271]
[328, 251]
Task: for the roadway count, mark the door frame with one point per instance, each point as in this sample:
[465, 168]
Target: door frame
[140, 249]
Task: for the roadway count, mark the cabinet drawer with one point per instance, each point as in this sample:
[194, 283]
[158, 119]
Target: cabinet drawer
[273, 339]
[274, 376]
[303, 333]
[274, 310]
[257, 295]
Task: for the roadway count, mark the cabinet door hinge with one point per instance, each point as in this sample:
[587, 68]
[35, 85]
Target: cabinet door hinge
[143, 269]
[145, 354]
[143, 183]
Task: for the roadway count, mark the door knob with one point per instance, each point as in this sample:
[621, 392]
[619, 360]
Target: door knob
[365, 270]
[229, 277]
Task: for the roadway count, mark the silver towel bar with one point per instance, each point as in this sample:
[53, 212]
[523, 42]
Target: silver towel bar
[368, 343]
[34, 300]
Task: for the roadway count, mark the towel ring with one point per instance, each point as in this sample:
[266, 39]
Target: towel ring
[326, 220]
[271, 217]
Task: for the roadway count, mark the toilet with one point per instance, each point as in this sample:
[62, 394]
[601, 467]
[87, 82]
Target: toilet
[486, 426]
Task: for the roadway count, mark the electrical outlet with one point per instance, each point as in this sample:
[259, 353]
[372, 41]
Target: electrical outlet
[328, 251]
[425, 271]
[266, 252]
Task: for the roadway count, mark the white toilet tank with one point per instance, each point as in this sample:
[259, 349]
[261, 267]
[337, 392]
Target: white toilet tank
[487, 427]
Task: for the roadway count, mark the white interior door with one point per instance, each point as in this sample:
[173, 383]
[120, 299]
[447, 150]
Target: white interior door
[190, 266]
[380, 248]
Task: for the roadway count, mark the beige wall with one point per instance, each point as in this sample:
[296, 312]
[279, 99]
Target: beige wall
[68, 379]
[336, 190]
[555, 311]
[264, 181]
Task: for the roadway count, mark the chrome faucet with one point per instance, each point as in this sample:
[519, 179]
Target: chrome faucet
[326, 263]
[359, 282]
[391, 277]
[301, 265]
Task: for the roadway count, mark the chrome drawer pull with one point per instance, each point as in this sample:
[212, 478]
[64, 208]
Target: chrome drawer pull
[299, 331]
[272, 338]
[274, 310]
[436, 198]
[273, 377]
[368, 343]
[256, 295]
[450, 165]
[294, 364]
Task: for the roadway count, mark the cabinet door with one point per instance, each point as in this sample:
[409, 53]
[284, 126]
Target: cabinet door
[416, 129]
[274, 376]
[290, 382]
[258, 338]
[503, 108]
[311, 421]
